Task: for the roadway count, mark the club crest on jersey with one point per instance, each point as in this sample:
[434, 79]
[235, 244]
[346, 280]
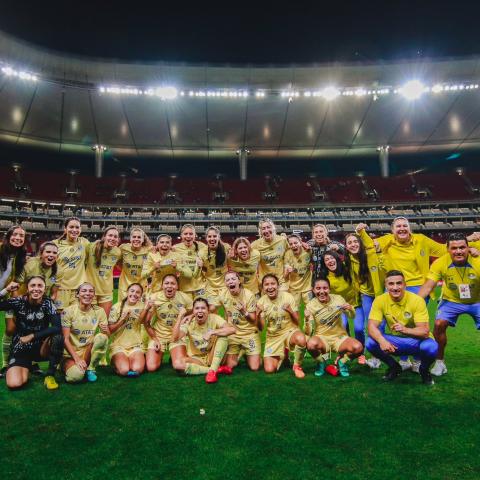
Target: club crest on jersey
[407, 315]
[373, 268]
[471, 276]
[422, 253]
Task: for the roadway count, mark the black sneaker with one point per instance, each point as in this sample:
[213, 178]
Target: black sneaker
[392, 373]
[36, 370]
[427, 378]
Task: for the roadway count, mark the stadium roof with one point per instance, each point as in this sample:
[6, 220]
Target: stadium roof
[56, 100]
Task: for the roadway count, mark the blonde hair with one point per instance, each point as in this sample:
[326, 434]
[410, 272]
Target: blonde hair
[146, 242]
[266, 220]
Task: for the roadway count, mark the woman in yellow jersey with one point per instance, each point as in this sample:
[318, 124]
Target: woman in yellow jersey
[134, 256]
[278, 312]
[163, 309]
[103, 255]
[190, 251]
[214, 266]
[124, 323]
[13, 256]
[272, 248]
[72, 254]
[341, 283]
[298, 273]
[84, 348]
[205, 335]
[244, 260]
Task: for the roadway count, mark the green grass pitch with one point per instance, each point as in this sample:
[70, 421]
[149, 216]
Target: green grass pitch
[255, 426]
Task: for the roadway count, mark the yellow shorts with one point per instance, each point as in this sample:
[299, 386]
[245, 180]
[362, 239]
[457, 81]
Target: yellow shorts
[250, 344]
[165, 345]
[302, 296]
[65, 298]
[81, 352]
[126, 351]
[275, 346]
[332, 342]
[103, 299]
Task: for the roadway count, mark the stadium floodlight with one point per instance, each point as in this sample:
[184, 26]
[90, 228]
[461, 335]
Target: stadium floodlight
[412, 90]
[330, 93]
[167, 93]
[437, 88]
[11, 72]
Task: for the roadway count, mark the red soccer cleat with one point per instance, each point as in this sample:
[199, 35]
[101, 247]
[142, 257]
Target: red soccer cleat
[332, 370]
[225, 370]
[211, 377]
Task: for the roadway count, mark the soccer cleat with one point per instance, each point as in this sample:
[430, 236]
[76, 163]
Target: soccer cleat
[439, 368]
[427, 378]
[3, 372]
[224, 370]
[416, 366]
[405, 364]
[132, 374]
[332, 370]
[91, 376]
[392, 373]
[374, 362]
[35, 369]
[343, 369]
[211, 376]
[320, 370]
[298, 371]
[362, 360]
[50, 382]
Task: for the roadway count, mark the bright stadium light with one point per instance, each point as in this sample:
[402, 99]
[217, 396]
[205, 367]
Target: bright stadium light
[330, 93]
[166, 93]
[412, 90]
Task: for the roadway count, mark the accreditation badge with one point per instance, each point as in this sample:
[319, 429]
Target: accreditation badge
[464, 290]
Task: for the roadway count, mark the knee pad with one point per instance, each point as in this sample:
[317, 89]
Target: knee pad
[74, 374]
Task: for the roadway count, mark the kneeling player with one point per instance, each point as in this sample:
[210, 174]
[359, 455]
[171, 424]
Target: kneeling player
[406, 316]
[278, 312]
[205, 335]
[240, 311]
[125, 325]
[325, 324]
[84, 348]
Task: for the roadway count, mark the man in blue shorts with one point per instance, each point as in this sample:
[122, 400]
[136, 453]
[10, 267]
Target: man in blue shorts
[460, 273]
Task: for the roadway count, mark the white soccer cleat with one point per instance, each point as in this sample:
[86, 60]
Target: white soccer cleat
[374, 362]
[416, 366]
[439, 368]
[405, 364]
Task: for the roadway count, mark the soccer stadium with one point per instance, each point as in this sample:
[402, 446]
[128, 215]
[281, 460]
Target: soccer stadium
[238, 270]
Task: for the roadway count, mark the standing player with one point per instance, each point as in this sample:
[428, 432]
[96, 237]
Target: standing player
[190, 251]
[134, 255]
[406, 316]
[36, 333]
[124, 324]
[272, 248]
[13, 256]
[277, 311]
[163, 310]
[324, 325]
[297, 270]
[244, 260]
[460, 273]
[84, 348]
[103, 255]
[240, 307]
[205, 335]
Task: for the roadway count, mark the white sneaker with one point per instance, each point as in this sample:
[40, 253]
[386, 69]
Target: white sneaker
[405, 364]
[374, 362]
[416, 366]
[439, 368]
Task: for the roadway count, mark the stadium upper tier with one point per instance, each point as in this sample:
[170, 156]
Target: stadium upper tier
[200, 111]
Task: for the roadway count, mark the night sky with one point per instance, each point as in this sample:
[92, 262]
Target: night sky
[248, 33]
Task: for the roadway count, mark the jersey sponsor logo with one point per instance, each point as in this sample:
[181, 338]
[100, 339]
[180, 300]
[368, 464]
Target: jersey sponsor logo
[452, 286]
[422, 253]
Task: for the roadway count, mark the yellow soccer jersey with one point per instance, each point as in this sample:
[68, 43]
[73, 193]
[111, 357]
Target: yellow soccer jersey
[365, 288]
[188, 257]
[454, 276]
[276, 319]
[71, 262]
[166, 312]
[247, 270]
[102, 277]
[214, 276]
[34, 267]
[196, 344]
[300, 280]
[132, 265]
[349, 291]
[129, 335]
[326, 318]
[233, 315]
[410, 311]
[166, 268]
[271, 256]
[83, 325]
